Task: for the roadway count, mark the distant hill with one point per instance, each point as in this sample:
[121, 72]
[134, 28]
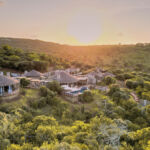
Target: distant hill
[31, 45]
[96, 55]
[82, 54]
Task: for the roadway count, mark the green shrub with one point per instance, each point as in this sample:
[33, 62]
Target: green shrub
[120, 77]
[87, 96]
[109, 80]
[116, 72]
[146, 95]
[118, 94]
[124, 76]
[32, 103]
[113, 88]
[44, 91]
[41, 102]
[147, 85]
[132, 84]
[55, 87]
[24, 82]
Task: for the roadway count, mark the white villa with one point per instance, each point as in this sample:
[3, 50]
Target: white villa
[9, 87]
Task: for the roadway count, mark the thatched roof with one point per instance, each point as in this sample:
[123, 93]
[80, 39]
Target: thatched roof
[5, 81]
[33, 73]
[64, 77]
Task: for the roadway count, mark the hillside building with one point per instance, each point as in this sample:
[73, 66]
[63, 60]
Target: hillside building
[9, 87]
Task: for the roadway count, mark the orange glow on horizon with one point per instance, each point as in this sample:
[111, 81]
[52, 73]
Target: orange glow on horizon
[85, 27]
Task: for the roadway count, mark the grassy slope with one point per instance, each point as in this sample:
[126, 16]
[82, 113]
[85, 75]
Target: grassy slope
[33, 94]
[18, 103]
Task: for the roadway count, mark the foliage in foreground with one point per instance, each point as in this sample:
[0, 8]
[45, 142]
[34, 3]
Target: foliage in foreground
[43, 120]
[20, 60]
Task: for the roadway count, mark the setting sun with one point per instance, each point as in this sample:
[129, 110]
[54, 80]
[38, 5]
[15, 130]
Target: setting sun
[85, 27]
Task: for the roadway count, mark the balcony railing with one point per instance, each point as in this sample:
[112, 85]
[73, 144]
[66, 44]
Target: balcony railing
[5, 94]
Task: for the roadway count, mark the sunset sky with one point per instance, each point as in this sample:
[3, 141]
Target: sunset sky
[77, 22]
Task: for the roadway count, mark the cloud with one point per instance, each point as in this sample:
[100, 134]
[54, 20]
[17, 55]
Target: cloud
[1, 3]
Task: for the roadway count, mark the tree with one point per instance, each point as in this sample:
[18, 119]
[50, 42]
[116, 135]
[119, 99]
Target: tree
[109, 80]
[14, 147]
[60, 146]
[87, 96]
[113, 88]
[124, 76]
[45, 133]
[24, 82]
[118, 94]
[44, 91]
[55, 87]
[45, 121]
[133, 84]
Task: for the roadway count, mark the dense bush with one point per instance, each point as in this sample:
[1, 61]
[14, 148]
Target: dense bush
[113, 88]
[48, 97]
[48, 122]
[147, 85]
[24, 82]
[124, 76]
[132, 84]
[117, 94]
[117, 72]
[55, 87]
[146, 95]
[18, 59]
[109, 80]
[86, 97]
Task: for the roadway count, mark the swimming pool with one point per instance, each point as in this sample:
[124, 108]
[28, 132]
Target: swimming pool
[79, 91]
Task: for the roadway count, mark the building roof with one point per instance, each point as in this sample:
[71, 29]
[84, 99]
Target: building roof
[64, 77]
[5, 81]
[33, 73]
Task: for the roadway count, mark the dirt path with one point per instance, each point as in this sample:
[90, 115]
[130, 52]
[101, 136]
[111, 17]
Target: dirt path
[135, 97]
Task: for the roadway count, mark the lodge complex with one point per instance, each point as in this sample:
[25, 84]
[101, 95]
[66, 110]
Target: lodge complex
[72, 81]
